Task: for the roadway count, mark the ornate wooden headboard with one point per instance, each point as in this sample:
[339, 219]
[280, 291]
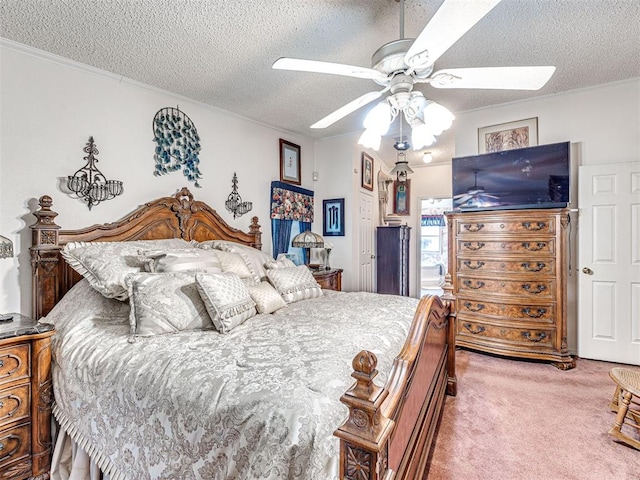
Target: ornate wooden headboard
[167, 217]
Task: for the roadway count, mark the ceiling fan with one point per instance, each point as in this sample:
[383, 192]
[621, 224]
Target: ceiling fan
[399, 65]
[475, 195]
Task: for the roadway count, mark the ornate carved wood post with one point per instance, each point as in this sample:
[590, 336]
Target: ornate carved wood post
[44, 258]
[450, 301]
[364, 436]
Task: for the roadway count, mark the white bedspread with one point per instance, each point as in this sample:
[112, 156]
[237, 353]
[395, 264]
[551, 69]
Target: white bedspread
[260, 402]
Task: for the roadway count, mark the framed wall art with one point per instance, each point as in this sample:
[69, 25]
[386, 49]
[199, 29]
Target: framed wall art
[507, 136]
[333, 217]
[401, 197]
[289, 162]
[367, 171]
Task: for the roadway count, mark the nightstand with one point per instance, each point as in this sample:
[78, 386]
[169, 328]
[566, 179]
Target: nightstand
[329, 279]
[26, 395]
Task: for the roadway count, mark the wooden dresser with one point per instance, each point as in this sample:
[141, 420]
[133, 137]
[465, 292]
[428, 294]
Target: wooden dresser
[25, 399]
[509, 273]
[392, 259]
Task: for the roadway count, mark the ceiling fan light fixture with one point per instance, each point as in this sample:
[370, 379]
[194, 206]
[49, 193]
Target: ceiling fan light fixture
[370, 139]
[437, 117]
[421, 136]
[427, 157]
[379, 118]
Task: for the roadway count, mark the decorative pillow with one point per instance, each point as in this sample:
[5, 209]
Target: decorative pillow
[226, 298]
[283, 262]
[194, 259]
[267, 299]
[233, 263]
[106, 264]
[254, 258]
[294, 283]
[165, 303]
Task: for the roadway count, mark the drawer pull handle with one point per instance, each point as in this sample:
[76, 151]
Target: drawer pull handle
[534, 228]
[537, 338]
[473, 228]
[12, 451]
[536, 247]
[469, 306]
[478, 265]
[478, 330]
[537, 268]
[473, 245]
[539, 312]
[477, 286]
[1, 363]
[538, 289]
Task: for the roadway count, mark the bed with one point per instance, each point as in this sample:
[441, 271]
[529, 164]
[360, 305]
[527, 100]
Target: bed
[272, 398]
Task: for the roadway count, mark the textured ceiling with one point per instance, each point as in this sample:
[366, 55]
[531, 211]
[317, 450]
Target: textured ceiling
[220, 52]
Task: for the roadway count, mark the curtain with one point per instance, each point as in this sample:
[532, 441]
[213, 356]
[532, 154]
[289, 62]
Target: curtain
[280, 236]
[305, 227]
[289, 203]
[432, 221]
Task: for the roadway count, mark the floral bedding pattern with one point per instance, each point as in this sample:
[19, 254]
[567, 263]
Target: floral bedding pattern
[260, 402]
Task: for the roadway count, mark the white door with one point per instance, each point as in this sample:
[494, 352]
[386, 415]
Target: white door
[365, 277]
[609, 262]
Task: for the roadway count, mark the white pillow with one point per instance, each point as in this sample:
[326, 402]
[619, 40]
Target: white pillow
[254, 258]
[226, 298]
[233, 263]
[283, 262]
[194, 259]
[294, 283]
[106, 264]
[267, 298]
[165, 303]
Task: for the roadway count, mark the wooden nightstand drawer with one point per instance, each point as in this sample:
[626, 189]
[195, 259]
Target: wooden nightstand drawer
[329, 279]
[15, 404]
[14, 363]
[15, 445]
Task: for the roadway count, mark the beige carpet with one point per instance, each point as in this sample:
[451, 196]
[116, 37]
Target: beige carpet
[520, 420]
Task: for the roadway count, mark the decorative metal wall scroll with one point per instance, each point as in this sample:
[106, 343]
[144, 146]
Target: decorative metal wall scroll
[178, 144]
[234, 201]
[89, 183]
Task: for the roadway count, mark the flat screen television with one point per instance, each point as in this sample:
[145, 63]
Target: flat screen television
[531, 177]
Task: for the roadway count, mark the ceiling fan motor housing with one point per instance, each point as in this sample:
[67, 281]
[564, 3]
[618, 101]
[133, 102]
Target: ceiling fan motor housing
[389, 59]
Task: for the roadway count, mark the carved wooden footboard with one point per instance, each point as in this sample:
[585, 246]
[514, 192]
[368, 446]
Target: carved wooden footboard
[390, 429]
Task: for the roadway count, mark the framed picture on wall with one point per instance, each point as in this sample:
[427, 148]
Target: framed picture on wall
[289, 162]
[507, 136]
[401, 198]
[367, 171]
[333, 217]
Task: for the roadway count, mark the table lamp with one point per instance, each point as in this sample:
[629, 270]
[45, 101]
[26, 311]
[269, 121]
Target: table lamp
[308, 240]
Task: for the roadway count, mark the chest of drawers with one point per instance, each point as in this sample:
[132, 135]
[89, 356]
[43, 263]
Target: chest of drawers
[26, 395]
[508, 270]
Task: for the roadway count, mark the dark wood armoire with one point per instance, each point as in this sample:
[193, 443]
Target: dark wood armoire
[392, 254]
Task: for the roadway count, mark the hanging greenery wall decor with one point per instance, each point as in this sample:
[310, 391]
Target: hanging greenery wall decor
[177, 144]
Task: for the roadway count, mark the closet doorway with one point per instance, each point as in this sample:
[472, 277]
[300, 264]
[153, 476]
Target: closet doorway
[433, 245]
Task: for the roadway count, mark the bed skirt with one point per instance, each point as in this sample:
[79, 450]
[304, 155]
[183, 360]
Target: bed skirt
[74, 459]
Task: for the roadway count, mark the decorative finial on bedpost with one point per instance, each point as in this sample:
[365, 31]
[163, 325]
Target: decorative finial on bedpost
[45, 231]
[254, 229]
[364, 436]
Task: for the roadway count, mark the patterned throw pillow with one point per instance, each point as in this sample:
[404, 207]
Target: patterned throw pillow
[106, 264]
[226, 298]
[165, 303]
[253, 258]
[233, 263]
[194, 259]
[267, 299]
[280, 263]
[294, 283]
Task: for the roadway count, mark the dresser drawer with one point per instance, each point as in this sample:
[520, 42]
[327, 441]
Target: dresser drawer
[539, 288]
[545, 246]
[479, 331]
[14, 363]
[477, 266]
[15, 404]
[539, 313]
[525, 225]
[15, 445]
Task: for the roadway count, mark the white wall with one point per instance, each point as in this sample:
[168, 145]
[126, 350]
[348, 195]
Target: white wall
[50, 106]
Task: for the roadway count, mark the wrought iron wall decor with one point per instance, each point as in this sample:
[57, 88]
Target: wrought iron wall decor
[89, 183]
[234, 201]
[177, 144]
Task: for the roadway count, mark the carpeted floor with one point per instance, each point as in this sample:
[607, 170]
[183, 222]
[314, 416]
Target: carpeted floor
[520, 420]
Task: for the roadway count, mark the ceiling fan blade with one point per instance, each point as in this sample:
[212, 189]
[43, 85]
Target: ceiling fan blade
[316, 66]
[499, 78]
[452, 20]
[347, 109]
